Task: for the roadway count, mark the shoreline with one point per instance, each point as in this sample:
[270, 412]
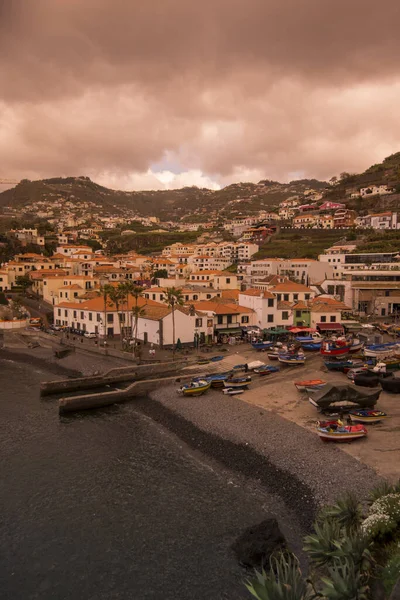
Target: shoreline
[39, 362]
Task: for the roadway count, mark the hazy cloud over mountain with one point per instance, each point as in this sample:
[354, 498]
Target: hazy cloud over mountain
[222, 90]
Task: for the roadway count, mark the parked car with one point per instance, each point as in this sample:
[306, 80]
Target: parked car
[351, 373]
[89, 335]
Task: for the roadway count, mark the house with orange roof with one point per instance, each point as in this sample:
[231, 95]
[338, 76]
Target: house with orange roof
[228, 319]
[70, 249]
[50, 286]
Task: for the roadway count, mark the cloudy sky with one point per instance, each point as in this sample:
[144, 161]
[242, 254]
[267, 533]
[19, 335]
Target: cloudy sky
[165, 93]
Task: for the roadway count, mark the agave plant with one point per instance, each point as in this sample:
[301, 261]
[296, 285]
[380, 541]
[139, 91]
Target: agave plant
[347, 512]
[344, 582]
[284, 581]
[356, 547]
[321, 546]
[383, 489]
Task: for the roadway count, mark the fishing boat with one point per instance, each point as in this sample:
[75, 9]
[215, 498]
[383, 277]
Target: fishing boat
[309, 384]
[311, 346]
[273, 353]
[240, 367]
[381, 350]
[233, 391]
[292, 358]
[343, 365]
[335, 348]
[312, 337]
[337, 432]
[391, 384]
[216, 358]
[364, 415]
[343, 397]
[237, 382]
[195, 388]
[255, 364]
[261, 346]
[266, 370]
[217, 379]
[356, 345]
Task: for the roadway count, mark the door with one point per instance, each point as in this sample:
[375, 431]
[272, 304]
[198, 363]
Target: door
[145, 337]
[110, 331]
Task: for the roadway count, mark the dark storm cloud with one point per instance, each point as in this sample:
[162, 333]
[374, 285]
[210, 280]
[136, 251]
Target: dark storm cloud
[231, 87]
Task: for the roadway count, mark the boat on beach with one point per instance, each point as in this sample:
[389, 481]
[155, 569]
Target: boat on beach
[261, 346]
[217, 380]
[266, 370]
[335, 431]
[237, 382]
[292, 358]
[364, 415]
[309, 384]
[391, 384]
[381, 350]
[311, 346]
[335, 347]
[195, 388]
[356, 345]
[343, 397]
[233, 391]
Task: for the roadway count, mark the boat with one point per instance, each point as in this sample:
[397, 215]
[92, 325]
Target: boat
[195, 388]
[312, 337]
[266, 370]
[309, 384]
[356, 345]
[261, 346]
[343, 365]
[387, 364]
[233, 391]
[216, 358]
[381, 350]
[237, 382]
[241, 367]
[255, 364]
[335, 348]
[273, 354]
[391, 384]
[311, 346]
[343, 397]
[337, 432]
[364, 415]
[292, 358]
[217, 379]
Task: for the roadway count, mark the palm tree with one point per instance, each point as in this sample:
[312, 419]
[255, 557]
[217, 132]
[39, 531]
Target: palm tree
[105, 292]
[136, 291]
[137, 311]
[116, 295]
[173, 298]
[127, 288]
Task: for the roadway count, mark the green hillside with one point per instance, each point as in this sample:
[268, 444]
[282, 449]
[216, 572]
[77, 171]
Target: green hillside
[308, 243]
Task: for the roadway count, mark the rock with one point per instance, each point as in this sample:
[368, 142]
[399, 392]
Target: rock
[256, 545]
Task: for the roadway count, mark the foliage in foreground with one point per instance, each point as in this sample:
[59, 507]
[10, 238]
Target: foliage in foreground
[347, 551]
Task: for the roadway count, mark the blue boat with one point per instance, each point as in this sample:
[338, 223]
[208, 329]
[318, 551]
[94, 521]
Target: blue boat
[266, 370]
[217, 379]
[259, 346]
[216, 358]
[340, 365]
[237, 382]
[311, 346]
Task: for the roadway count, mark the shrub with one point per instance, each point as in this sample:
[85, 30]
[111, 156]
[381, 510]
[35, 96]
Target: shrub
[384, 516]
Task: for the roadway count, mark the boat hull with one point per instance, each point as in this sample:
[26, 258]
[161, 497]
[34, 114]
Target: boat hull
[292, 361]
[313, 384]
[367, 416]
[341, 437]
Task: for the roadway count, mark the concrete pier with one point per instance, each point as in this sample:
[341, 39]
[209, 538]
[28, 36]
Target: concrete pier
[136, 389]
[113, 376]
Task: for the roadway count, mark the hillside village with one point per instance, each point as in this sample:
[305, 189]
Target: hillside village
[220, 267]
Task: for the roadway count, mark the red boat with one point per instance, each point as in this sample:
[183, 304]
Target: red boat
[335, 348]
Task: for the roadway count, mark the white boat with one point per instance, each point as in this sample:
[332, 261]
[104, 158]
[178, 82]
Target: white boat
[237, 382]
[381, 350]
[233, 391]
[255, 364]
[290, 358]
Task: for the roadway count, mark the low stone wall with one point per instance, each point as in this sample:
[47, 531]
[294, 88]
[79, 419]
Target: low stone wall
[16, 324]
[115, 375]
[137, 389]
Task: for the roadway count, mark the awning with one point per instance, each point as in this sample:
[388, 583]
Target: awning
[277, 331]
[232, 331]
[353, 325]
[330, 326]
[302, 330]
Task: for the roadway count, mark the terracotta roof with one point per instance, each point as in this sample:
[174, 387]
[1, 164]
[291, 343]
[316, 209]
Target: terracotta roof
[290, 286]
[97, 304]
[221, 309]
[75, 286]
[301, 305]
[283, 305]
[259, 293]
[231, 294]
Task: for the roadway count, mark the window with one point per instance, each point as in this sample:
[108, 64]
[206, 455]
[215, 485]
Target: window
[323, 319]
[298, 313]
[285, 315]
[229, 319]
[270, 302]
[195, 297]
[245, 319]
[82, 315]
[307, 296]
[228, 280]
[295, 297]
[279, 297]
[110, 318]
[220, 319]
[199, 323]
[61, 294]
[65, 313]
[59, 312]
[154, 296]
[98, 317]
[286, 297]
[331, 290]
[90, 316]
[333, 319]
[74, 314]
[387, 292]
[208, 296]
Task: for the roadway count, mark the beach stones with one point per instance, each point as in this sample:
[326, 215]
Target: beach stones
[256, 545]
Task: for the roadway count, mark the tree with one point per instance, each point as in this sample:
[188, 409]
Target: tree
[105, 292]
[94, 244]
[136, 291]
[159, 274]
[116, 295]
[23, 281]
[173, 298]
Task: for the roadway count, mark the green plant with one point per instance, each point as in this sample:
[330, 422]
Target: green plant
[321, 545]
[345, 582]
[173, 298]
[384, 516]
[391, 570]
[383, 489]
[284, 581]
[346, 512]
